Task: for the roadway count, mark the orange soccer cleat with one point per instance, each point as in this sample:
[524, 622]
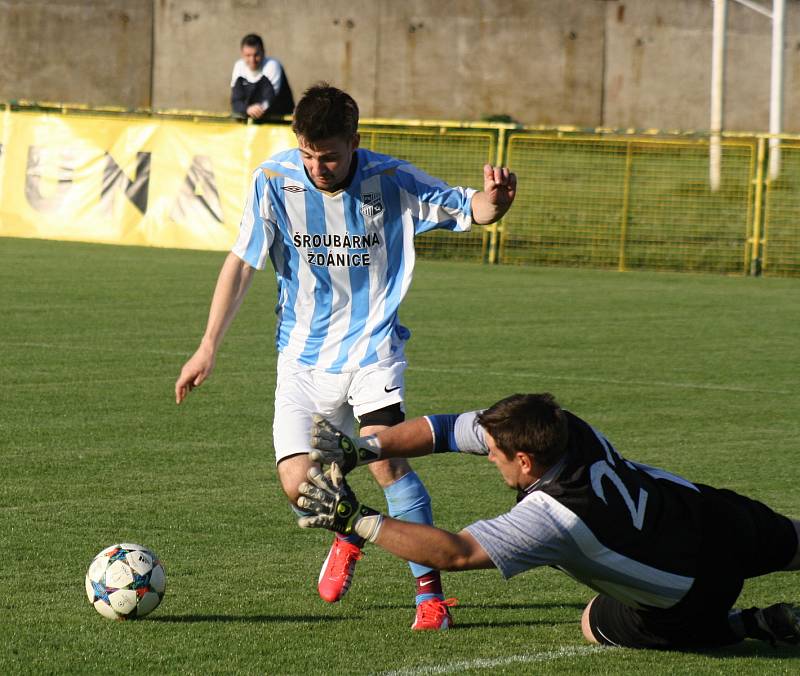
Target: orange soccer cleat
[337, 571]
[434, 614]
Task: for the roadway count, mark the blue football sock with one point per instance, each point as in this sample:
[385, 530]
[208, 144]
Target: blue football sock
[299, 512]
[408, 500]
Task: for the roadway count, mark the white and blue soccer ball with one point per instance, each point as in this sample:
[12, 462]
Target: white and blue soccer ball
[125, 582]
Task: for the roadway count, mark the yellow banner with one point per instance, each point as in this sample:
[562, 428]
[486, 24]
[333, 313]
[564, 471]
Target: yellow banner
[127, 180]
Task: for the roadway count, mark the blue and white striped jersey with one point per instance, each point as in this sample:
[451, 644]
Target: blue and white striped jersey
[343, 260]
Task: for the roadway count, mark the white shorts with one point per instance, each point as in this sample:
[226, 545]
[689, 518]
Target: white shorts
[340, 397]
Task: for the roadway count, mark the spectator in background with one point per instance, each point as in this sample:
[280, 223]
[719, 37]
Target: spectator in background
[258, 84]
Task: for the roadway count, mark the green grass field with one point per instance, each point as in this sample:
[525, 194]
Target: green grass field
[696, 373]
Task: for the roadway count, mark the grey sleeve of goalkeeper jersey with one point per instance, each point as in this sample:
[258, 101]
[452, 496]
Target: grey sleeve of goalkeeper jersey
[469, 435]
[526, 537]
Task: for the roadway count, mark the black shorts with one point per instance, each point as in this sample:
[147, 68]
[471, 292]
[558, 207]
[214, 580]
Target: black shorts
[388, 415]
[743, 538]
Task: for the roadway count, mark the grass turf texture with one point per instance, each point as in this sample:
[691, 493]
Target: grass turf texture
[694, 373]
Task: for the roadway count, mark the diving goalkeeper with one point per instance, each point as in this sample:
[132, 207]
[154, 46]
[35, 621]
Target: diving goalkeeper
[667, 557]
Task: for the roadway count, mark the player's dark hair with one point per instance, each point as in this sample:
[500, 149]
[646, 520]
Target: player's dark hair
[253, 40]
[532, 423]
[325, 112]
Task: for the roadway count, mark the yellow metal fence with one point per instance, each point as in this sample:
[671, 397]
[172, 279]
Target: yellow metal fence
[781, 226]
[620, 201]
[628, 203]
[453, 153]
[586, 198]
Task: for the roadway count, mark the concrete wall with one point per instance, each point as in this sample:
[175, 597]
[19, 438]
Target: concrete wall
[197, 43]
[76, 51]
[465, 59]
[621, 63]
[451, 59]
[658, 65]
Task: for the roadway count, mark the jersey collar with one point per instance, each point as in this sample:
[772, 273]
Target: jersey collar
[543, 481]
[344, 185]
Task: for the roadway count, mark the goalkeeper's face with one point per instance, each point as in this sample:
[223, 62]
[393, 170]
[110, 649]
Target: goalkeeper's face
[328, 161]
[510, 468]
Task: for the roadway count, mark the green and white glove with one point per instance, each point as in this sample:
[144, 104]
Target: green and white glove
[333, 446]
[335, 506]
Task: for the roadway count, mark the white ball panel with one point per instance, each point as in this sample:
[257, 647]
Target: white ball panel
[97, 568]
[148, 603]
[105, 610]
[89, 588]
[158, 579]
[123, 601]
[118, 575]
[140, 560]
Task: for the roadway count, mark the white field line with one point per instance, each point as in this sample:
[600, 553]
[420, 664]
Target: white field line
[59, 347]
[603, 381]
[494, 662]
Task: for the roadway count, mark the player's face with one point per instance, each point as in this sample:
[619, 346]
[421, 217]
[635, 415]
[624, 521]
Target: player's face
[328, 161]
[252, 56]
[509, 469]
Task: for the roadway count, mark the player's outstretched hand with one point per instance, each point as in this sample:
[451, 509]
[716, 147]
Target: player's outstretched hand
[194, 372]
[500, 186]
[334, 505]
[332, 445]
[499, 191]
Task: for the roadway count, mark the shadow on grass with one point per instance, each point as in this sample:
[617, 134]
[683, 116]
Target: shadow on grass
[251, 619]
[492, 606]
[489, 624]
[523, 606]
[751, 648]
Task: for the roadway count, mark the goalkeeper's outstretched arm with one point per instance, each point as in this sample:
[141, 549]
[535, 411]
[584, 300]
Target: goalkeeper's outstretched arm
[331, 504]
[410, 439]
[431, 546]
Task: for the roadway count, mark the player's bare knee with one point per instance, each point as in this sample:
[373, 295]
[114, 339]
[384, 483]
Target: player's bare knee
[586, 626]
[386, 472]
[292, 472]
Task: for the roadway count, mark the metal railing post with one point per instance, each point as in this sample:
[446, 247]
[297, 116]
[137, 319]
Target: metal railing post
[626, 200]
[496, 230]
[755, 240]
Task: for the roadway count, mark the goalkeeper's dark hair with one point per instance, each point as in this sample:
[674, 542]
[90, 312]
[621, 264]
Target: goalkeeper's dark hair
[325, 112]
[532, 423]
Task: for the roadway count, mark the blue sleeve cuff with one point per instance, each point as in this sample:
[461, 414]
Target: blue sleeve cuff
[443, 428]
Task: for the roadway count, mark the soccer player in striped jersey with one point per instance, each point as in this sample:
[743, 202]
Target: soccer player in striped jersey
[667, 557]
[337, 223]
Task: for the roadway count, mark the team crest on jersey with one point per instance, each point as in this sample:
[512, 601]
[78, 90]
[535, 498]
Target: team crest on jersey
[373, 205]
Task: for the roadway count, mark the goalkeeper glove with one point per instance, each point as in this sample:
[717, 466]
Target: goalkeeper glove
[334, 505]
[333, 446]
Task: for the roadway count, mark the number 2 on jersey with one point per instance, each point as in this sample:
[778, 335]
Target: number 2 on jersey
[602, 469]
